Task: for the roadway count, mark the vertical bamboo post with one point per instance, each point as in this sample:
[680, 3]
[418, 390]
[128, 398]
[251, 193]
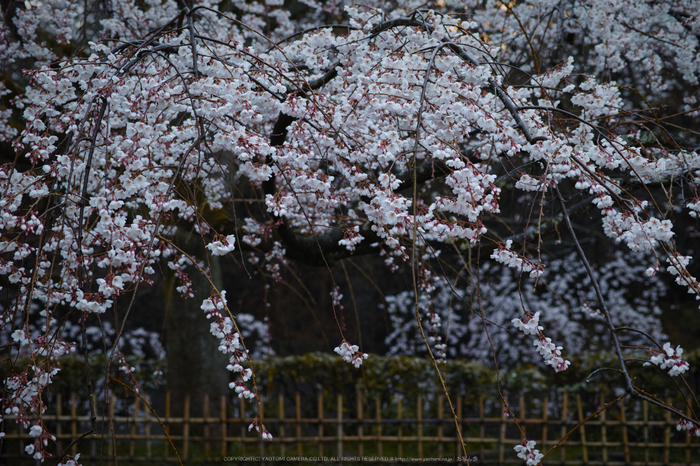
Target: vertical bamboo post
[340, 425]
[378, 406]
[280, 407]
[59, 416]
[419, 410]
[223, 423]
[667, 434]
[110, 444]
[358, 396]
[625, 438]
[205, 412]
[167, 422]
[582, 429]
[147, 427]
[460, 447]
[132, 445]
[502, 436]
[261, 413]
[439, 429]
[400, 429]
[563, 429]
[645, 416]
[604, 431]
[645, 430]
[186, 429]
[545, 421]
[521, 405]
[687, 433]
[93, 443]
[320, 425]
[297, 401]
[482, 430]
[243, 422]
[73, 422]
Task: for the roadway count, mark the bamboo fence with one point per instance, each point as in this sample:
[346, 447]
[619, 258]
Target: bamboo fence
[369, 428]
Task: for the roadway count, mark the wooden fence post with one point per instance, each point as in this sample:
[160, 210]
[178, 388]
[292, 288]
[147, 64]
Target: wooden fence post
[110, 447]
[378, 405]
[59, 416]
[545, 420]
[186, 429]
[460, 448]
[280, 410]
[625, 438]
[74, 421]
[261, 413]
[320, 424]
[224, 424]
[645, 430]
[340, 425]
[439, 429]
[132, 445]
[604, 431]
[563, 429]
[400, 428]
[502, 435]
[205, 413]
[358, 396]
[688, 404]
[523, 417]
[298, 419]
[582, 429]
[167, 422]
[241, 416]
[667, 435]
[482, 422]
[147, 416]
[420, 425]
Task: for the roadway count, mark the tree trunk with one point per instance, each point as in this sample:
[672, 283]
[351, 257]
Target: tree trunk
[195, 364]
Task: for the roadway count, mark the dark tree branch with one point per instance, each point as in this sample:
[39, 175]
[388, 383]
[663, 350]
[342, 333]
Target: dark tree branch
[599, 294]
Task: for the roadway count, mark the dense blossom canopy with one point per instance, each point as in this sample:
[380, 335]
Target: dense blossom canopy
[402, 130]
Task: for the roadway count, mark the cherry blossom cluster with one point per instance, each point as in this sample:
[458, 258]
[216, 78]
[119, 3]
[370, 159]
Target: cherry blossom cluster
[531, 327]
[128, 370]
[37, 449]
[551, 353]
[274, 259]
[23, 400]
[685, 424]
[351, 238]
[336, 297]
[259, 427]
[638, 235]
[229, 343]
[683, 277]
[694, 207]
[24, 392]
[669, 358]
[529, 453]
[505, 256]
[350, 353]
[428, 285]
[223, 245]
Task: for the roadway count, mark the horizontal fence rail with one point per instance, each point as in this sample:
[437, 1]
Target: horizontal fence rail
[367, 428]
